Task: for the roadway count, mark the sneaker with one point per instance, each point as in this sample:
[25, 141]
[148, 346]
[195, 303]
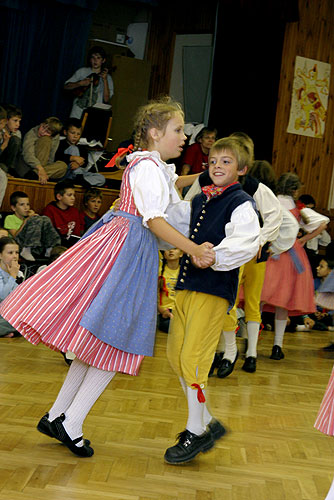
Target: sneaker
[302, 328]
[217, 429]
[188, 446]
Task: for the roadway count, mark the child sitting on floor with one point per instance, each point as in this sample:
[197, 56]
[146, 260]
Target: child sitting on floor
[168, 274]
[34, 233]
[9, 270]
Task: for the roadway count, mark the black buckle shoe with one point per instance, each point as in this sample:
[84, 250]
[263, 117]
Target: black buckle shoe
[188, 447]
[226, 367]
[249, 364]
[217, 429]
[277, 353]
[216, 362]
[60, 434]
[44, 426]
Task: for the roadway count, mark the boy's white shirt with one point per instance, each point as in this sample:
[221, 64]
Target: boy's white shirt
[242, 239]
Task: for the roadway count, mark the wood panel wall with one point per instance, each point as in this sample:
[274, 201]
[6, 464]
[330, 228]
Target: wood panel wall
[311, 158]
[41, 195]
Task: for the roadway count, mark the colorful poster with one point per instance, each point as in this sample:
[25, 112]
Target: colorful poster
[309, 97]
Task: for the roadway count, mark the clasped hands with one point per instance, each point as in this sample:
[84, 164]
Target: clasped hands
[205, 256]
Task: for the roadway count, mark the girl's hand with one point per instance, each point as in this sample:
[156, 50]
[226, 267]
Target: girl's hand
[204, 255]
[13, 268]
[302, 241]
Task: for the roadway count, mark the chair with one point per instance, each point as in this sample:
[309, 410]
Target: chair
[96, 124]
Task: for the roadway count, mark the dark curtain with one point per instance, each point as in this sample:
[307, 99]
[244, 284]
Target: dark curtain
[43, 43]
[246, 72]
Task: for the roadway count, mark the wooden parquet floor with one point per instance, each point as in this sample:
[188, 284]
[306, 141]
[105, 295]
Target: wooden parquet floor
[271, 452]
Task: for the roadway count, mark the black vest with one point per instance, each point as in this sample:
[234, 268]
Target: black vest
[208, 221]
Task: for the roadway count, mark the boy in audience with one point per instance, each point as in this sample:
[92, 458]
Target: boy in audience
[11, 148]
[64, 216]
[34, 233]
[39, 147]
[75, 156]
[4, 136]
[92, 202]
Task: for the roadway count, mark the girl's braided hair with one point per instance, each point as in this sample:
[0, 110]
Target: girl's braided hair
[155, 114]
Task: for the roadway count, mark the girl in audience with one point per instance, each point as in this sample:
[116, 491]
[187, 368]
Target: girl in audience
[99, 299]
[168, 274]
[9, 269]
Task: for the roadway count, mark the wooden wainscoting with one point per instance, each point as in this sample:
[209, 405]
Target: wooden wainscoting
[40, 195]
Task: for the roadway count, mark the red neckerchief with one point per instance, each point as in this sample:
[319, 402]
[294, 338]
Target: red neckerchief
[212, 191]
[300, 205]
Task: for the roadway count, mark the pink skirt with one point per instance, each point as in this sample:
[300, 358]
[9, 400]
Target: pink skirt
[48, 306]
[286, 288]
[325, 419]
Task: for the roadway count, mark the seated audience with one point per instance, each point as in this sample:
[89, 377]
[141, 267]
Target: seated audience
[64, 216]
[168, 274]
[10, 150]
[92, 202]
[34, 233]
[75, 155]
[195, 159]
[38, 151]
[9, 270]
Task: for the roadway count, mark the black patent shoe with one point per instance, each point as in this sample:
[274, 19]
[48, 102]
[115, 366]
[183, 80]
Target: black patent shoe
[217, 429]
[226, 367]
[44, 426]
[188, 446]
[60, 434]
[249, 365]
[216, 362]
[277, 353]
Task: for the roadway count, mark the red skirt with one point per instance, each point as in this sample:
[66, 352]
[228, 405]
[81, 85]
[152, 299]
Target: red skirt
[325, 419]
[286, 288]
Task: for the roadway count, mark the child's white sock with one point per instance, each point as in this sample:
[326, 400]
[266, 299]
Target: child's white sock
[207, 417]
[253, 329]
[26, 254]
[48, 252]
[221, 343]
[90, 390]
[195, 423]
[230, 346]
[280, 325]
[73, 380]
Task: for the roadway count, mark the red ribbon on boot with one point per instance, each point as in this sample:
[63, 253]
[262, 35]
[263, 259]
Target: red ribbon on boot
[120, 152]
[200, 394]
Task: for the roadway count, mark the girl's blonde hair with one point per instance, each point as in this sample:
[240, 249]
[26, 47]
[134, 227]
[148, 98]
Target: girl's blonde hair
[288, 183]
[239, 150]
[155, 114]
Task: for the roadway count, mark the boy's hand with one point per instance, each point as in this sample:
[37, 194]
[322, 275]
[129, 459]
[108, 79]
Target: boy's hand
[205, 256]
[85, 82]
[42, 175]
[167, 314]
[78, 159]
[74, 165]
[5, 140]
[309, 323]
[104, 73]
[31, 213]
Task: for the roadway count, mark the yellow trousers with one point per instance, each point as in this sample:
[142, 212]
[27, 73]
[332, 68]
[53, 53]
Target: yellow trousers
[251, 276]
[194, 333]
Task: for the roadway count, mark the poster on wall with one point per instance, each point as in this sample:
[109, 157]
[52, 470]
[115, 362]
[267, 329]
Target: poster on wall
[309, 97]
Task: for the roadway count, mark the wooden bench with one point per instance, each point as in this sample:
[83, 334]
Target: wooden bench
[42, 194]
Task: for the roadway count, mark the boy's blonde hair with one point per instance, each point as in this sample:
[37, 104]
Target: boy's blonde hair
[239, 150]
[54, 124]
[246, 141]
[155, 114]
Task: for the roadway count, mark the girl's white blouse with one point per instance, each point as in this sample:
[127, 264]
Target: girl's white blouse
[154, 192]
